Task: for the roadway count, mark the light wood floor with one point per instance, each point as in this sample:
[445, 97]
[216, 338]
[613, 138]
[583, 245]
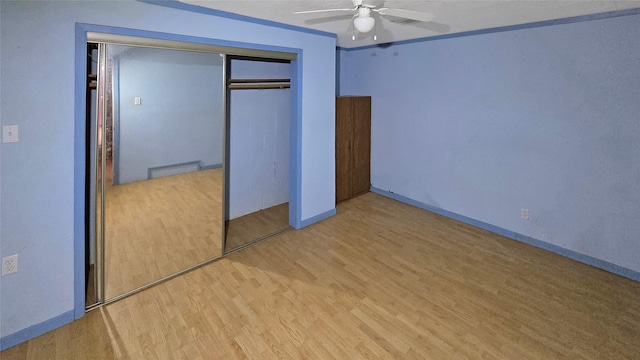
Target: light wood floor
[379, 280]
[158, 227]
[245, 229]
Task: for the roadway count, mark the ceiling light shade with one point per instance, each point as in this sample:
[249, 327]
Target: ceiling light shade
[364, 24]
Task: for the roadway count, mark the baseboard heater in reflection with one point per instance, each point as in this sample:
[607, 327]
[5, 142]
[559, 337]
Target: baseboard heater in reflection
[174, 169]
[177, 169]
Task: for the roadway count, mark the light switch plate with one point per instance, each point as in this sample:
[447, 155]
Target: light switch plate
[9, 133]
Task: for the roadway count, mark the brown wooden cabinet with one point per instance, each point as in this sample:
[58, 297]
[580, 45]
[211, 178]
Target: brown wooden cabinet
[353, 146]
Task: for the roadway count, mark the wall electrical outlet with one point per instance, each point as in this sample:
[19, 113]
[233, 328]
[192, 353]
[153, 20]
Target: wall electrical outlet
[9, 264]
[524, 214]
[9, 133]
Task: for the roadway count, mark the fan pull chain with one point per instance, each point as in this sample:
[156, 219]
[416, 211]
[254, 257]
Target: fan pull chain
[375, 31]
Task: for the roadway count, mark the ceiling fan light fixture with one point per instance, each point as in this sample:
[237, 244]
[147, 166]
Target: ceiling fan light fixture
[364, 24]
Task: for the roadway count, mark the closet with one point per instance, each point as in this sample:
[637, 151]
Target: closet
[187, 157]
[257, 177]
[353, 146]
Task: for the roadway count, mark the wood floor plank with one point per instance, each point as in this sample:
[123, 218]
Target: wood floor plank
[380, 280]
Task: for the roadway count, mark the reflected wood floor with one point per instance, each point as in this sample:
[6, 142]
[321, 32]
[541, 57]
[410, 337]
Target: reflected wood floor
[157, 227]
[380, 280]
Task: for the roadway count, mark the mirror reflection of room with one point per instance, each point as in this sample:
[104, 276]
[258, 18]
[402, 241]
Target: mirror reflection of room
[259, 122]
[183, 171]
[163, 139]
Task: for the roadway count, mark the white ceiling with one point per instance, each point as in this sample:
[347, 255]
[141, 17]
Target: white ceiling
[451, 16]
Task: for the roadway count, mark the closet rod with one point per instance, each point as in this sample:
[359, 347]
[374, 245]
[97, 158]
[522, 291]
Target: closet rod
[258, 86]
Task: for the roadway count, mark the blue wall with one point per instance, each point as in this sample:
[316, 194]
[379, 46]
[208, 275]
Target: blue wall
[38, 212]
[542, 118]
[180, 118]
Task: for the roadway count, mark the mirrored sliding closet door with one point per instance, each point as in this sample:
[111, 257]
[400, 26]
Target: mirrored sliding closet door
[158, 149]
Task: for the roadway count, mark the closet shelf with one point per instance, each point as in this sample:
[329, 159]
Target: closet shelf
[257, 81]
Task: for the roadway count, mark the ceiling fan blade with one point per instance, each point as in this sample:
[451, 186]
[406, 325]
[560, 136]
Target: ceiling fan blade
[407, 14]
[432, 26]
[321, 11]
[328, 19]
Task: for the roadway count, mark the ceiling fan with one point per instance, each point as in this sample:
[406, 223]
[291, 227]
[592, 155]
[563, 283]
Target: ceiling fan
[363, 20]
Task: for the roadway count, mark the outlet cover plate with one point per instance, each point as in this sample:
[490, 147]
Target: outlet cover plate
[9, 133]
[9, 264]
